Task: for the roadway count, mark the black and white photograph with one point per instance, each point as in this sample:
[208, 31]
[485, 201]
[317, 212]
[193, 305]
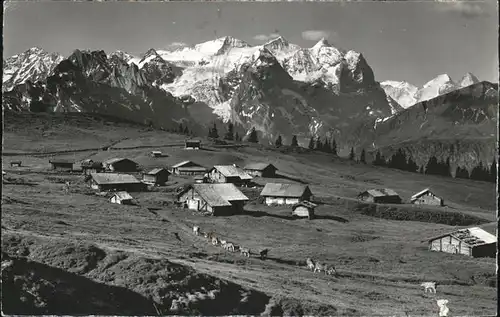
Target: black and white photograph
[250, 158]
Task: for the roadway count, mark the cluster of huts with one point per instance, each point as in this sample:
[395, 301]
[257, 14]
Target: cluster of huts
[389, 196]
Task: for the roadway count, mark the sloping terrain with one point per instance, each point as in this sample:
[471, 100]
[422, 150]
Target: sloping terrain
[150, 248]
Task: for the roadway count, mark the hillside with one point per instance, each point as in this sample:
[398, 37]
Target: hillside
[78, 240]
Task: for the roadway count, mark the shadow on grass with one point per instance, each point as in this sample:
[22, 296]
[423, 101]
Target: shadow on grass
[259, 213]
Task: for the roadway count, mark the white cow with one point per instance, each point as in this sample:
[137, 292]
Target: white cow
[196, 230]
[443, 309]
[330, 270]
[431, 286]
[245, 252]
[318, 267]
[310, 264]
[229, 247]
[215, 241]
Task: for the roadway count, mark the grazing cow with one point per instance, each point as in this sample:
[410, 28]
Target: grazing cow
[431, 286]
[331, 270]
[215, 240]
[263, 253]
[245, 252]
[310, 264]
[196, 230]
[209, 235]
[443, 309]
[229, 247]
[223, 242]
[318, 267]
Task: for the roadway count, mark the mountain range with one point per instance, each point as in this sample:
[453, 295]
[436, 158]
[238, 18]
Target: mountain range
[278, 88]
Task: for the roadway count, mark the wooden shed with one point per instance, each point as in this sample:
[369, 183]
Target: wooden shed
[383, 196]
[15, 163]
[478, 241]
[426, 197]
[192, 144]
[261, 170]
[188, 168]
[285, 194]
[116, 182]
[304, 209]
[122, 198]
[229, 174]
[123, 165]
[157, 176]
[58, 164]
[156, 153]
[214, 199]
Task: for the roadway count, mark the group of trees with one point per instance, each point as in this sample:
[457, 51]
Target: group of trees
[229, 135]
[436, 167]
[362, 156]
[326, 146]
[182, 129]
[279, 141]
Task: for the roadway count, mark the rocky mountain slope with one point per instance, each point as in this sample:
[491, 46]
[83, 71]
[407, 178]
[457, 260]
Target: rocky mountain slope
[407, 94]
[460, 125]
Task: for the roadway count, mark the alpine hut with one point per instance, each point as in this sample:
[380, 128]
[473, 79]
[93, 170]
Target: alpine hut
[116, 182]
[58, 164]
[426, 197]
[383, 196]
[480, 241]
[304, 209]
[122, 198]
[15, 163]
[261, 170]
[229, 174]
[156, 154]
[287, 194]
[90, 166]
[188, 168]
[123, 165]
[192, 144]
[157, 176]
[214, 199]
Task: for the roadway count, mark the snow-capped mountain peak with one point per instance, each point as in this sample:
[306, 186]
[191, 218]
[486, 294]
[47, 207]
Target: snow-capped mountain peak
[400, 91]
[321, 43]
[438, 80]
[467, 80]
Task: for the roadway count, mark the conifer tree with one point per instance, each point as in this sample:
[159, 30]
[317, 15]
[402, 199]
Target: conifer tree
[311, 143]
[362, 157]
[334, 147]
[253, 136]
[237, 137]
[278, 142]
[318, 146]
[186, 131]
[295, 143]
[215, 133]
[327, 148]
[181, 128]
[230, 132]
[351, 155]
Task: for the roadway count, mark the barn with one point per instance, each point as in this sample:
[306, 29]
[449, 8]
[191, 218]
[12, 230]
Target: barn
[59, 164]
[304, 209]
[426, 197]
[116, 182]
[285, 194]
[383, 196]
[122, 165]
[90, 166]
[122, 198]
[199, 179]
[157, 176]
[192, 144]
[260, 170]
[478, 241]
[214, 199]
[229, 174]
[188, 168]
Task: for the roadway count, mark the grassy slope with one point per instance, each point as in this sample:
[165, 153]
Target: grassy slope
[381, 262]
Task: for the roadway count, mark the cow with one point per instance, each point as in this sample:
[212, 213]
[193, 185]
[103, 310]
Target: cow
[443, 309]
[215, 240]
[330, 270]
[229, 247]
[431, 286]
[245, 252]
[318, 267]
[263, 253]
[196, 230]
[223, 242]
[310, 264]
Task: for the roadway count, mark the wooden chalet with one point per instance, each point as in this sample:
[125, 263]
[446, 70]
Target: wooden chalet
[285, 194]
[188, 168]
[304, 209]
[122, 198]
[383, 196]
[480, 241]
[192, 144]
[15, 163]
[122, 165]
[157, 176]
[426, 197]
[59, 164]
[116, 182]
[213, 199]
[229, 174]
[261, 170]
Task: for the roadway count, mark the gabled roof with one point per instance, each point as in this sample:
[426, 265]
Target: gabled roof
[122, 196]
[420, 193]
[113, 178]
[305, 203]
[62, 161]
[181, 164]
[284, 190]
[157, 170]
[232, 171]
[156, 152]
[381, 192]
[116, 160]
[259, 166]
[484, 234]
[192, 141]
[219, 195]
